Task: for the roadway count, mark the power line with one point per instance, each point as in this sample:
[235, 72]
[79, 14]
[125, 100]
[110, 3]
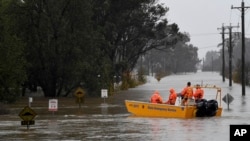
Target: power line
[204, 34]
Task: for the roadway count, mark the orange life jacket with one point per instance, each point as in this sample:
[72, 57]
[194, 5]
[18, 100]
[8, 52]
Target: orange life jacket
[187, 92]
[199, 93]
[156, 98]
[172, 98]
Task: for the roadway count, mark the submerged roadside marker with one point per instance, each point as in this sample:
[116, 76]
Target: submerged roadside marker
[104, 94]
[27, 115]
[53, 105]
[228, 99]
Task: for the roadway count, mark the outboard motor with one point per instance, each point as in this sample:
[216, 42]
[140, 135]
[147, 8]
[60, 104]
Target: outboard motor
[201, 108]
[212, 107]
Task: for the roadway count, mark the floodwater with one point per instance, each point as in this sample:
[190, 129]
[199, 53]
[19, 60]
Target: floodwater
[108, 120]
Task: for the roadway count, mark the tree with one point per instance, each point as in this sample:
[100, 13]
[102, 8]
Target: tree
[130, 29]
[68, 43]
[212, 61]
[12, 61]
[237, 62]
[58, 37]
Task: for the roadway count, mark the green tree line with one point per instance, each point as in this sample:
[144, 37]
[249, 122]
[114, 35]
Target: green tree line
[61, 44]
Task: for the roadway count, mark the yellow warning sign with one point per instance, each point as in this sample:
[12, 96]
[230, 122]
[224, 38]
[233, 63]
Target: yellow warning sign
[79, 92]
[27, 114]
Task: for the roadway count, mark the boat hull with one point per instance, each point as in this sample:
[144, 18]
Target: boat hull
[146, 109]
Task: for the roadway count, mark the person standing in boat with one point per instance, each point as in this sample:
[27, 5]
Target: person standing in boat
[172, 97]
[187, 94]
[156, 97]
[199, 93]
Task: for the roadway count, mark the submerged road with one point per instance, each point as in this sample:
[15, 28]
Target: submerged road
[110, 121]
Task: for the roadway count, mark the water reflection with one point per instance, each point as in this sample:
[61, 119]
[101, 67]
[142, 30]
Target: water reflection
[104, 108]
[243, 100]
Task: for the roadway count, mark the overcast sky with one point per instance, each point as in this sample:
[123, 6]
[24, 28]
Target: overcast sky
[202, 18]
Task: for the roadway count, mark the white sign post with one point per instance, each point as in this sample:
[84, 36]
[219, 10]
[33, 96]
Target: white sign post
[30, 101]
[53, 105]
[104, 94]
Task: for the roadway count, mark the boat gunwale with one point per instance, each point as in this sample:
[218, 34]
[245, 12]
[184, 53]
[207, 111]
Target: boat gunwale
[162, 104]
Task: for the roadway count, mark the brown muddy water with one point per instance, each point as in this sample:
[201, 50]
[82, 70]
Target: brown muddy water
[99, 120]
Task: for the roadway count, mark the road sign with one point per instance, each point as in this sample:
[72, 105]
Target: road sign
[79, 92]
[228, 98]
[104, 93]
[53, 105]
[27, 114]
[31, 122]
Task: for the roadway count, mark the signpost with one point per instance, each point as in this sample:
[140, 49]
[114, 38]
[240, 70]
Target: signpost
[228, 99]
[79, 93]
[53, 105]
[30, 101]
[27, 115]
[104, 94]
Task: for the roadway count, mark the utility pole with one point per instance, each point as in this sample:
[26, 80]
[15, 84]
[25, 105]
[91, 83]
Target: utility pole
[242, 9]
[230, 50]
[223, 54]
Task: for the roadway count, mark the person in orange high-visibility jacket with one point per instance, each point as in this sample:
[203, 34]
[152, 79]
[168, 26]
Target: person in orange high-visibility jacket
[156, 97]
[172, 97]
[187, 93]
[199, 93]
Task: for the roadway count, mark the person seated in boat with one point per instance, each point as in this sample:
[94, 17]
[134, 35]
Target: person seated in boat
[156, 97]
[187, 94]
[199, 93]
[172, 97]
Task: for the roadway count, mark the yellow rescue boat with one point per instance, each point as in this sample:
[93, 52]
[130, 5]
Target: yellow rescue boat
[204, 108]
